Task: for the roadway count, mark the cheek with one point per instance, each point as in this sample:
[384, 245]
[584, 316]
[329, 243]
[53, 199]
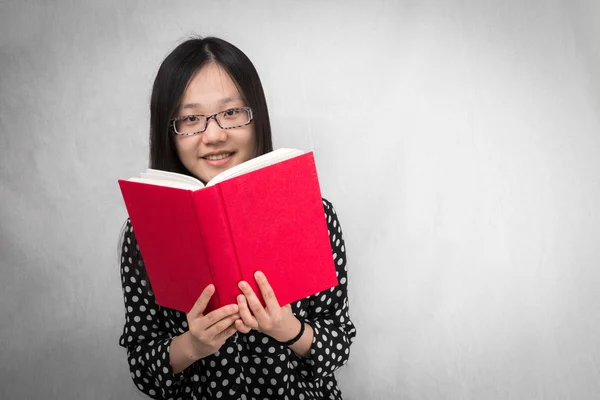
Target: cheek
[251, 141]
[185, 148]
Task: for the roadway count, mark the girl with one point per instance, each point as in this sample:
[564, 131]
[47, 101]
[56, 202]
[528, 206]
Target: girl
[208, 113]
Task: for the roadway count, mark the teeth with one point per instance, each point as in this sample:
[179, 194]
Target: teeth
[218, 157]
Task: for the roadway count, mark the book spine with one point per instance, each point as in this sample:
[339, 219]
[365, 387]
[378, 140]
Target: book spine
[217, 238]
[215, 300]
[227, 221]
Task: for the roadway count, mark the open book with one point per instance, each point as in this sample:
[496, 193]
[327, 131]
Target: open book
[175, 180]
[264, 214]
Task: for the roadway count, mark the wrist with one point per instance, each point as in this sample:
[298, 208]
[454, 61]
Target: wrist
[182, 352]
[294, 332]
[188, 344]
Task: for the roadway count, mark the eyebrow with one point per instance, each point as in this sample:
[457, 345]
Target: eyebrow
[224, 100]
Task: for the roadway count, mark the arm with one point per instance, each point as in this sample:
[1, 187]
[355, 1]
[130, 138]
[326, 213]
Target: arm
[144, 336]
[158, 357]
[328, 315]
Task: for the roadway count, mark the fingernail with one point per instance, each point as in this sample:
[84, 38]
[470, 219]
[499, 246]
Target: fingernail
[258, 274]
[242, 285]
[240, 298]
[234, 308]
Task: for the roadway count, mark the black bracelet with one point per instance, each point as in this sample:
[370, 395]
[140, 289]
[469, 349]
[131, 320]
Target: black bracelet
[298, 336]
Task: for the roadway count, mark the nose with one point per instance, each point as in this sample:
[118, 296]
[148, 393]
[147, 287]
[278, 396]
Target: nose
[213, 133]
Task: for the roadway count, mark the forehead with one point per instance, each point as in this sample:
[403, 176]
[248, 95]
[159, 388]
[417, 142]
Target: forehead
[210, 87]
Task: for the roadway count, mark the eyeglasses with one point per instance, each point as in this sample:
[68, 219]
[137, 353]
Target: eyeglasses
[228, 119]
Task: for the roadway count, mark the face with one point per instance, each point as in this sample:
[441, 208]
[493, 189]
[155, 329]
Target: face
[215, 150]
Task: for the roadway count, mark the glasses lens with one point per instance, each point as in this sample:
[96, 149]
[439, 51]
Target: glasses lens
[190, 124]
[233, 117]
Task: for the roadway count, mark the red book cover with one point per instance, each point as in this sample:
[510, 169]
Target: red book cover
[271, 220]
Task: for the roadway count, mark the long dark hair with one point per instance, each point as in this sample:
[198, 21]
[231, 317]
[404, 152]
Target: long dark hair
[172, 78]
[171, 81]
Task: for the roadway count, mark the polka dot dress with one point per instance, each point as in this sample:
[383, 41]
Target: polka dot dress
[248, 366]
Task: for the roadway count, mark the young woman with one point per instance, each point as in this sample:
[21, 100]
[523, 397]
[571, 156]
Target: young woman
[208, 113]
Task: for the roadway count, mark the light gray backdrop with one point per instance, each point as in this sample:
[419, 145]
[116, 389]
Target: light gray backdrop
[459, 141]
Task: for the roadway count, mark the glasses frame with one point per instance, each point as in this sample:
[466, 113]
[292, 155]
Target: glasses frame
[209, 117]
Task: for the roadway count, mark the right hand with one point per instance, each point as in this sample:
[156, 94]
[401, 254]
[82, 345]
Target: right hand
[209, 332]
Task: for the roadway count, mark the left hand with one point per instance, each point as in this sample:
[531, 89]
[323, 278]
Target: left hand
[274, 320]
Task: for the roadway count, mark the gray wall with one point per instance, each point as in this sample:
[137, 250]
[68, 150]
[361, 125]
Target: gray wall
[459, 141]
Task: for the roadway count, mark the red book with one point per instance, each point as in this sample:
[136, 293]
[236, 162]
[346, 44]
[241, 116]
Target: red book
[246, 219]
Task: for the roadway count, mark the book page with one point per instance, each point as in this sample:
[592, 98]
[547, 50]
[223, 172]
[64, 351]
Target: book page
[170, 176]
[165, 182]
[256, 163]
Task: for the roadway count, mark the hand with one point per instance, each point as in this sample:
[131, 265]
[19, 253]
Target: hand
[274, 320]
[209, 332]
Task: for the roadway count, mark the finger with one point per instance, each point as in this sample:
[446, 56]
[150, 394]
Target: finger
[241, 326]
[222, 325]
[245, 314]
[217, 315]
[223, 336]
[202, 301]
[266, 290]
[253, 303]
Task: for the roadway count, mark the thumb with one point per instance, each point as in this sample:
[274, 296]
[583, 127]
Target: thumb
[202, 301]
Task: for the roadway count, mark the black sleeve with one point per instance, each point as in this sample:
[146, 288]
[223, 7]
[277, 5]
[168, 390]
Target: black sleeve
[328, 312]
[144, 335]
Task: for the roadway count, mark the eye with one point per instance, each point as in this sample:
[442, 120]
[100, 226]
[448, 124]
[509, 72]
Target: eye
[231, 112]
[190, 120]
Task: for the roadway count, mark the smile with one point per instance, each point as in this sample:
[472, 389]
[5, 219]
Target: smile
[218, 156]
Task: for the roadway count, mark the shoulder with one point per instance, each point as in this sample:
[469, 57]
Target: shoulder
[127, 240]
[330, 213]
[127, 229]
[328, 206]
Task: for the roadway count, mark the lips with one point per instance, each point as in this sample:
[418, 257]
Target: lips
[217, 156]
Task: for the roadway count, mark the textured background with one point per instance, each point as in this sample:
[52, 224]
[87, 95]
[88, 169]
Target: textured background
[459, 141]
